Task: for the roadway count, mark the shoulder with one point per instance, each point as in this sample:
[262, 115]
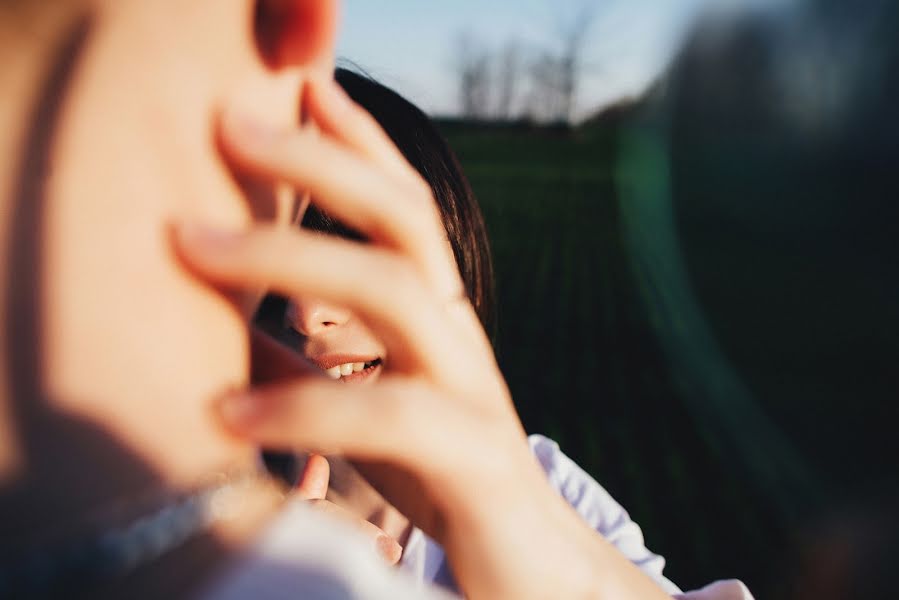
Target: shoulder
[578, 488]
[601, 511]
[562, 472]
[598, 508]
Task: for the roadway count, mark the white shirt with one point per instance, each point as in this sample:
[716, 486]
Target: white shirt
[425, 561]
[306, 555]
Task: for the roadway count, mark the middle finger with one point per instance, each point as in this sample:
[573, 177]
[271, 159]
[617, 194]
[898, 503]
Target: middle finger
[353, 190]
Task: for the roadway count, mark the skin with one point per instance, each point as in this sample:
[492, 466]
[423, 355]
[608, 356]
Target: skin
[328, 331]
[486, 500]
[328, 335]
[115, 349]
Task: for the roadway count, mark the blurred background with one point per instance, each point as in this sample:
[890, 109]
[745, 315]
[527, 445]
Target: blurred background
[694, 211]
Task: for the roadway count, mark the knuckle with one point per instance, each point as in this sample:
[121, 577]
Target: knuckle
[423, 191]
[401, 276]
[425, 222]
[421, 209]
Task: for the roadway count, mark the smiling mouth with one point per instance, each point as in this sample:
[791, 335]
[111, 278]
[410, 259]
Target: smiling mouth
[352, 371]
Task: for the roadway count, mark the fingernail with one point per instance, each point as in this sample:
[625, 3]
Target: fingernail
[238, 409]
[389, 549]
[195, 234]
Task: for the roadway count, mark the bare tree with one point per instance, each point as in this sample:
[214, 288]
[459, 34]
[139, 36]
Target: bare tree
[552, 74]
[472, 64]
[543, 102]
[509, 64]
[555, 72]
[573, 35]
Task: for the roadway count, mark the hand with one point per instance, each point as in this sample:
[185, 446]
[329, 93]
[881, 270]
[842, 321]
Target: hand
[272, 361]
[437, 434]
[313, 486]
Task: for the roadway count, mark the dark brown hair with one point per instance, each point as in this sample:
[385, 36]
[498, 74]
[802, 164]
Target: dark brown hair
[416, 136]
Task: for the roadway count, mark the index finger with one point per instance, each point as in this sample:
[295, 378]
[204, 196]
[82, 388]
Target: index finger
[349, 187]
[340, 117]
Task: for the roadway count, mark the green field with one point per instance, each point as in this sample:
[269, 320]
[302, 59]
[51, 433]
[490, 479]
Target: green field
[706, 319]
[585, 368]
[698, 300]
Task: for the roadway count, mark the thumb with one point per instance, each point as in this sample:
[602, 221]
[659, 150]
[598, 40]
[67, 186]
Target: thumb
[313, 483]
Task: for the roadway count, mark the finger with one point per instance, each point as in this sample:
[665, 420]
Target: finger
[385, 423]
[409, 442]
[340, 117]
[378, 286]
[387, 547]
[313, 483]
[345, 121]
[351, 189]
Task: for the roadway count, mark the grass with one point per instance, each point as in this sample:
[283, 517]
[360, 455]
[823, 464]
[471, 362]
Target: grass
[579, 352]
[728, 375]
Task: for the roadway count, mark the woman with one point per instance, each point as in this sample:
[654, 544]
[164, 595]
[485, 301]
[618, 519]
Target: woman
[341, 345]
[105, 413]
[436, 433]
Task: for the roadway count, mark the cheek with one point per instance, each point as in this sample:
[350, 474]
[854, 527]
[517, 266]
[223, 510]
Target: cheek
[375, 341]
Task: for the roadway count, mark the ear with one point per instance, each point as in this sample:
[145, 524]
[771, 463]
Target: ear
[296, 32]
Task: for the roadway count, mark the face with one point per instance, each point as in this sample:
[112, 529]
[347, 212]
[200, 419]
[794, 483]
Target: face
[336, 340]
[135, 149]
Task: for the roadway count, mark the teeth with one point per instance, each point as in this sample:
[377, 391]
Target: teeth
[346, 369]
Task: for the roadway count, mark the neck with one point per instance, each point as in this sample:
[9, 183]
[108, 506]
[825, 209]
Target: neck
[181, 572]
[88, 387]
[183, 552]
[31, 32]
[34, 35]
[38, 473]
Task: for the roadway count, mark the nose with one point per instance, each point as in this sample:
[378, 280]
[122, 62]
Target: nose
[312, 317]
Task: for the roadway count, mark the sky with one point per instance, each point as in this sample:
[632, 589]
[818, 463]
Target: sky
[409, 44]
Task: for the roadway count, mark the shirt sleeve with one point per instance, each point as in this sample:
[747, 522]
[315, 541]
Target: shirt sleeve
[730, 589]
[609, 518]
[598, 509]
